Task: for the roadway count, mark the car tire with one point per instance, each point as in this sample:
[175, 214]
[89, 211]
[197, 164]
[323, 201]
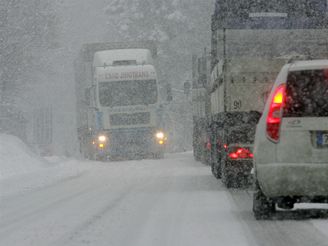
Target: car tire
[263, 207]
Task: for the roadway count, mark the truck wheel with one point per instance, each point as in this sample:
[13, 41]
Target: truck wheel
[101, 158]
[159, 155]
[227, 179]
[91, 157]
[197, 155]
[263, 207]
[216, 170]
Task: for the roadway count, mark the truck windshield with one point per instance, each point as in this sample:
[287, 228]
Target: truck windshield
[127, 93]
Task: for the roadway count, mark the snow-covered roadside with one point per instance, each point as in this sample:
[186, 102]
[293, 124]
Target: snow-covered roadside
[21, 170]
[16, 158]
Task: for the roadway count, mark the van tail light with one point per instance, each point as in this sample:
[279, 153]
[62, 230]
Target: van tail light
[240, 153]
[273, 120]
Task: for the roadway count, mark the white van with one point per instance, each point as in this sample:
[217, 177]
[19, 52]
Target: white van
[291, 143]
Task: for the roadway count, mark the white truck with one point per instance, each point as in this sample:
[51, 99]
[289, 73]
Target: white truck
[245, 62]
[119, 113]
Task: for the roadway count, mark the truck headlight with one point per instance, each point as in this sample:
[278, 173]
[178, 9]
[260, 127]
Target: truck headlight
[102, 138]
[160, 135]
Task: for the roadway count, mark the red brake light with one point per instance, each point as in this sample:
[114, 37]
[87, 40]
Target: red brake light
[233, 156]
[274, 117]
[241, 153]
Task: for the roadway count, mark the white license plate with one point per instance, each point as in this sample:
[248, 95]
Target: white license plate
[323, 139]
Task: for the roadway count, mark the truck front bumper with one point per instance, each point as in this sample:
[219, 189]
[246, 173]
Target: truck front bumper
[132, 144]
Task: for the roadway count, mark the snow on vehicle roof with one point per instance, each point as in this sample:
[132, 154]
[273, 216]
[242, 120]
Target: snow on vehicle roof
[122, 56]
[308, 65]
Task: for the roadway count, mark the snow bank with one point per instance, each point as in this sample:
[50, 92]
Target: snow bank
[16, 158]
[21, 170]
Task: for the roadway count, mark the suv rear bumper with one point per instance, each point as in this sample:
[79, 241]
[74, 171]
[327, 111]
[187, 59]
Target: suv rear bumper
[293, 179]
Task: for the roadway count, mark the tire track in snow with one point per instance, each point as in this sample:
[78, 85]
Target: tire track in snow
[27, 189]
[30, 211]
[126, 214]
[71, 197]
[92, 220]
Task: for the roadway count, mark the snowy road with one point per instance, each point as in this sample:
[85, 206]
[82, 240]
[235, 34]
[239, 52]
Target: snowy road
[175, 201]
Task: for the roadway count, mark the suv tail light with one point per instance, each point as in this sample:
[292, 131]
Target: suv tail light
[241, 153]
[275, 113]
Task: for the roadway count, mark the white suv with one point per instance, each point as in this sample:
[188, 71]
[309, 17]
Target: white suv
[291, 142]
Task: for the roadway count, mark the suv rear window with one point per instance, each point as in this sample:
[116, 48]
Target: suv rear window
[307, 94]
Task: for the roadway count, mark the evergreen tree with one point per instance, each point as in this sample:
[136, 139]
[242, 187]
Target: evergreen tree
[27, 28]
[181, 28]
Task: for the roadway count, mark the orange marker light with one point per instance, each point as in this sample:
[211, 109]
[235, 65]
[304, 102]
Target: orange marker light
[279, 97]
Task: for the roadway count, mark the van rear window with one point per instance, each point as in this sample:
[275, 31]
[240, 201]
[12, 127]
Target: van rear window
[307, 94]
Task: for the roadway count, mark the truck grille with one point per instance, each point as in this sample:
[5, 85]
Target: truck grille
[130, 119]
[137, 140]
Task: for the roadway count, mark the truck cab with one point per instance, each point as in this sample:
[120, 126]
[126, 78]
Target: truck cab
[124, 119]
